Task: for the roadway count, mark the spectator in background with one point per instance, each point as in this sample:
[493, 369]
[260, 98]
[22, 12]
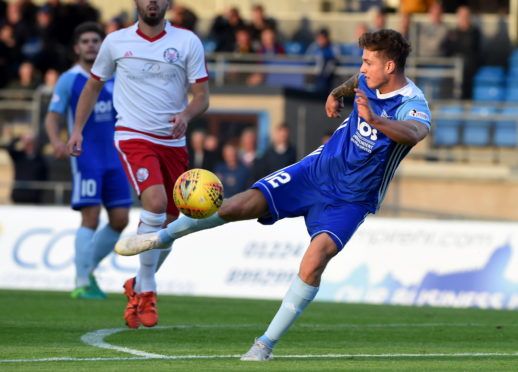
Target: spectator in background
[199, 157]
[212, 151]
[60, 21]
[28, 11]
[234, 175]
[327, 56]
[244, 41]
[21, 28]
[183, 17]
[269, 43]
[303, 33]
[29, 165]
[46, 51]
[9, 55]
[261, 22]
[279, 154]
[432, 36]
[464, 41]
[379, 19]
[405, 20]
[248, 147]
[269, 46]
[223, 30]
[28, 77]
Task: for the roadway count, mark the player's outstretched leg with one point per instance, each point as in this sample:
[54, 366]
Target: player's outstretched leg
[163, 239]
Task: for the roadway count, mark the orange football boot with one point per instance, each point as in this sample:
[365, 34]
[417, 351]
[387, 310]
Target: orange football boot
[131, 313]
[147, 312]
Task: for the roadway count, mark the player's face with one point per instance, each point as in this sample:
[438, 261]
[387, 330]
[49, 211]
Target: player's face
[376, 69]
[88, 46]
[152, 12]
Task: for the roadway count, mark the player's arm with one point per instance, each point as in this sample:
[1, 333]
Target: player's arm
[334, 101]
[84, 108]
[197, 106]
[407, 132]
[52, 128]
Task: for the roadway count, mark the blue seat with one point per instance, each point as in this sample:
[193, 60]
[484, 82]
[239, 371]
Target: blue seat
[490, 75]
[294, 47]
[446, 130]
[488, 92]
[511, 93]
[505, 133]
[477, 132]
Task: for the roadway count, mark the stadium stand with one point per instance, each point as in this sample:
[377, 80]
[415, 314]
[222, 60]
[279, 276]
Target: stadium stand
[448, 123]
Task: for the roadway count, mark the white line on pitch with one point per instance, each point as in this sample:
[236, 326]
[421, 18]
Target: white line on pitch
[305, 356]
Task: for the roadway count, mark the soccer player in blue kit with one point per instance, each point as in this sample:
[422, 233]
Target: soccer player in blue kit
[334, 187]
[98, 176]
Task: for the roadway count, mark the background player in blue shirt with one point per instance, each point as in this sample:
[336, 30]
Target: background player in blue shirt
[337, 185]
[98, 176]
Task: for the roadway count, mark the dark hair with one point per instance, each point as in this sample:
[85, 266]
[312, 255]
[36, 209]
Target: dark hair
[391, 44]
[87, 27]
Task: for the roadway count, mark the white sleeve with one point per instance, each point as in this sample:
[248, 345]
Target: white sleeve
[196, 66]
[104, 65]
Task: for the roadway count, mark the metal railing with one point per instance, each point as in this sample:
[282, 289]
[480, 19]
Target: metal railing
[59, 189]
[223, 65]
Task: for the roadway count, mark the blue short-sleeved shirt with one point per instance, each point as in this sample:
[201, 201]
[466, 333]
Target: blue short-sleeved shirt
[350, 173]
[98, 176]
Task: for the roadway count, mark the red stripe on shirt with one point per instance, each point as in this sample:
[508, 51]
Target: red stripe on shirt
[95, 76]
[126, 129]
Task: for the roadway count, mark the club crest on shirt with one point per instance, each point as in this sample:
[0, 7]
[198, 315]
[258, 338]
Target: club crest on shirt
[142, 174]
[171, 55]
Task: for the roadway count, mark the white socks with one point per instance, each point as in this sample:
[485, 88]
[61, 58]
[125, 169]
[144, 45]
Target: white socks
[149, 222]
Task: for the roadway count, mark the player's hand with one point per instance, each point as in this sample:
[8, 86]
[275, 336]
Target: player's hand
[364, 107]
[179, 122]
[333, 106]
[60, 150]
[74, 144]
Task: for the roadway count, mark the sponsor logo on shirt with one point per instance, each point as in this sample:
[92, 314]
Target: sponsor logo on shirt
[171, 55]
[418, 114]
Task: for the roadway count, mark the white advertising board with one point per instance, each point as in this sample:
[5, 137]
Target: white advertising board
[396, 261]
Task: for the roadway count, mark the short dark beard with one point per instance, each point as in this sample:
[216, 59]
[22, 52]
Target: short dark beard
[152, 21]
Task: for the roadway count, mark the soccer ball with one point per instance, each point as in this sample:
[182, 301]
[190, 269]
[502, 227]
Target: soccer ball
[198, 193]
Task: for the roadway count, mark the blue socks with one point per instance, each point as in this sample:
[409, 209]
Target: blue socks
[186, 225]
[103, 242]
[298, 297]
[83, 255]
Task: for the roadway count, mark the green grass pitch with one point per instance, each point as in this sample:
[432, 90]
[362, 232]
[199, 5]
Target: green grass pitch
[48, 331]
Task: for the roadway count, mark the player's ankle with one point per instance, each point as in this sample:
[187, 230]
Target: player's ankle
[267, 341]
[165, 238]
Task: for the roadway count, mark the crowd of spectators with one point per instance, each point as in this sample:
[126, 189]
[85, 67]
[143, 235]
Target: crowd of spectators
[236, 161]
[41, 36]
[35, 47]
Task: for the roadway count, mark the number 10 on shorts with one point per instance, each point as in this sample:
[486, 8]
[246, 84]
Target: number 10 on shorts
[88, 187]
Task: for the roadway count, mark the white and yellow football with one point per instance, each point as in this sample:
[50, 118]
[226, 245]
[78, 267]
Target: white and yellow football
[198, 193]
